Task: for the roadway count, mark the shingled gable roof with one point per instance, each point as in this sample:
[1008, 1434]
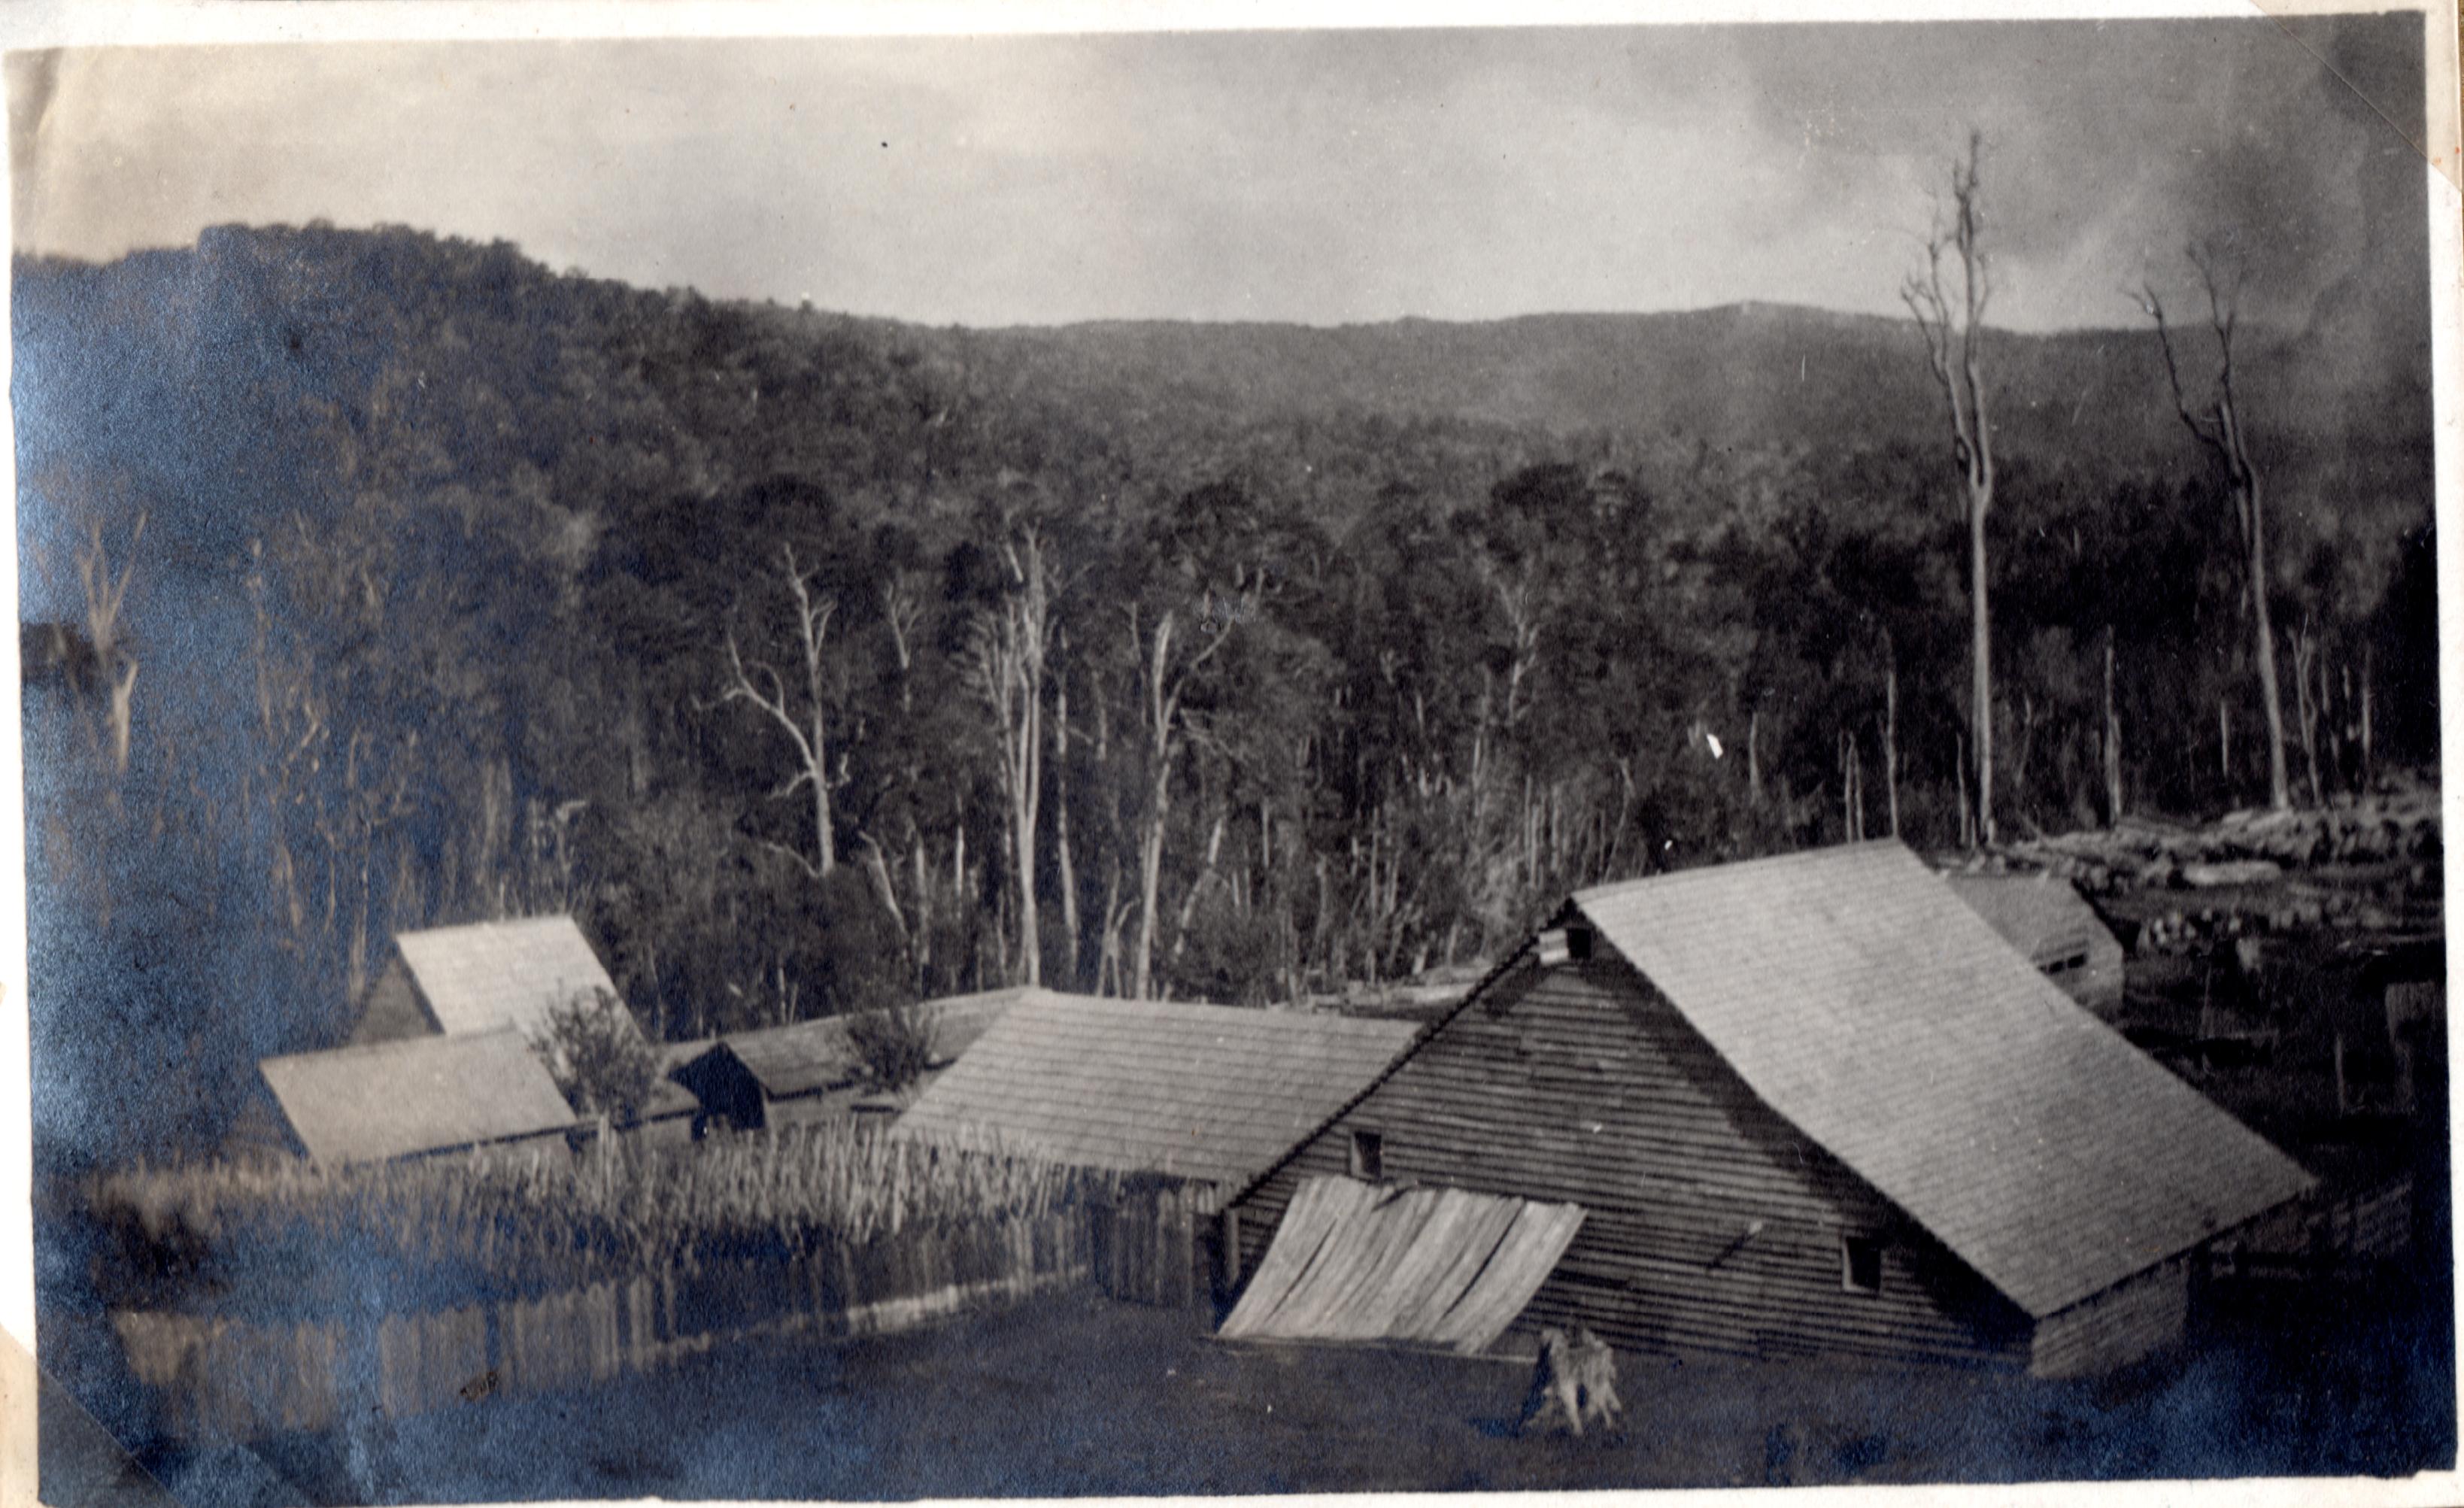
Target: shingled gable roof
[1206, 1092]
[822, 1054]
[492, 974]
[420, 1094]
[1861, 1000]
[2034, 912]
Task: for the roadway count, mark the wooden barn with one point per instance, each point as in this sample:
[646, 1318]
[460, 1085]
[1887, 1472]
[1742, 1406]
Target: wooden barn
[1189, 1102]
[1809, 1105]
[1209, 1095]
[482, 977]
[2052, 926]
[417, 1097]
[813, 1070]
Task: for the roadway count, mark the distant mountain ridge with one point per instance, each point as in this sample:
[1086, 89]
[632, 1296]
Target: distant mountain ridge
[1730, 375]
[195, 337]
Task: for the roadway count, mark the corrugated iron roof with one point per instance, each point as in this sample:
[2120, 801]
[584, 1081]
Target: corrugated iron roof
[1353, 1261]
[2036, 913]
[822, 1054]
[494, 974]
[1199, 1091]
[1866, 1004]
[420, 1094]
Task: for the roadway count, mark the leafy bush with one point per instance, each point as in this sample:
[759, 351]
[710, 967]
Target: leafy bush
[598, 1057]
[895, 1045]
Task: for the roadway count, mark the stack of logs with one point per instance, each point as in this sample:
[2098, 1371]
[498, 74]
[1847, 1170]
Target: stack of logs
[2372, 865]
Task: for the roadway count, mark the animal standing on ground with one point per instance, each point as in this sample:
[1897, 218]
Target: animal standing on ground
[1575, 1378]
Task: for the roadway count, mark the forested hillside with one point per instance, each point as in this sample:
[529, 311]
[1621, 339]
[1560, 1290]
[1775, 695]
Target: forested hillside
[817, 662]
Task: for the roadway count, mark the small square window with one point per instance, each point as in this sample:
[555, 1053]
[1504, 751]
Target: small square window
[1368, 1156]
[1861, 1264]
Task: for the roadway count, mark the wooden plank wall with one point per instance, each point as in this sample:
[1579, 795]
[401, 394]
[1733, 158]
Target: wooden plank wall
[391, 1010]
[1148, 1247]
[2130, 1321]
[1588, 1089]
[225, 1378]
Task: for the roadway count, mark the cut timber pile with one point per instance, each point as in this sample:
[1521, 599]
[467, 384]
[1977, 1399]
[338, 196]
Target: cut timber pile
[2369, 864]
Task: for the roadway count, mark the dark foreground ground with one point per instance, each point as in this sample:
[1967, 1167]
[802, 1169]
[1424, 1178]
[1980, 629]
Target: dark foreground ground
[1082, 1396]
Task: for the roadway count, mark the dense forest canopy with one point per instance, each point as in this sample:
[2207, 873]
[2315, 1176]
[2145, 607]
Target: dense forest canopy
[375, 581]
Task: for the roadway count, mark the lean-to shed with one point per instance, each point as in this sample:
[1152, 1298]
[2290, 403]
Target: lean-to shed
[482, 978]
[1812, 1105]
[417, 1097]
[1207, 1095]
[815, 1070]
[2052, 926]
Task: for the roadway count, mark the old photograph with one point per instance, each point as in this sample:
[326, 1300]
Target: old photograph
[1279, 761]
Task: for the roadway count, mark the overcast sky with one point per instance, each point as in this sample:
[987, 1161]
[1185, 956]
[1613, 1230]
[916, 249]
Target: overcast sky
[1321, 177]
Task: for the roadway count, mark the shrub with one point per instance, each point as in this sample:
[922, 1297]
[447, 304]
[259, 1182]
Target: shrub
[895, 1045]
[598, 1057]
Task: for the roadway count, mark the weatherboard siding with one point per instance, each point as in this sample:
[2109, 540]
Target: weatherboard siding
[2132, 1320]
[1586, 1089]
[391, 1012]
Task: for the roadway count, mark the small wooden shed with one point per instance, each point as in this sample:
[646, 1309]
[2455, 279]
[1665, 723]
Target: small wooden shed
[813, 1070]
[417, 1097]
[1812, 1105]
[483, 977]
[1208, 1094]
[1190, 1102]
[2052, 926]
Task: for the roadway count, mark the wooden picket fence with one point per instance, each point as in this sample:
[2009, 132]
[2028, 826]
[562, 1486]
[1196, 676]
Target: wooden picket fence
[223, 1378]
[1152, 1245]
[2345, 1234]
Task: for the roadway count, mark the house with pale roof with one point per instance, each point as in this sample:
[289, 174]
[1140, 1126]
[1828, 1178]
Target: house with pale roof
[482, 977]
[417, 1097]
[1206, 1095]
[1808, 1105]
[2048, 920]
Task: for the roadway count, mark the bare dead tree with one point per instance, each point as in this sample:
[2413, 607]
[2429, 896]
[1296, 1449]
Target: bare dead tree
[106, 595]
[1005, 665]
[2219, 428]
[809, 734]
[1066, 866]
[1167, 677]
[1949, 300]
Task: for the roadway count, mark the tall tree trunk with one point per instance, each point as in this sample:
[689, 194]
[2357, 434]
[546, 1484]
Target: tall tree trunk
[1197, 888]
[1159, 719]
[810, 736]
[1981, 675]
[2279, 784]
[1891, 729]
[1068, 874]
[2220, 429]
[1951, 320]
[1962, 774]
[2367, 771]
[2305, 703]
[2112, 741]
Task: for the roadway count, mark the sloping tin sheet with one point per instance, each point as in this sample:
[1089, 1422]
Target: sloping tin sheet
[1206, 1092]
[1421, 1266]
[1860, 999]
[496, 974]
[423, 1094]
